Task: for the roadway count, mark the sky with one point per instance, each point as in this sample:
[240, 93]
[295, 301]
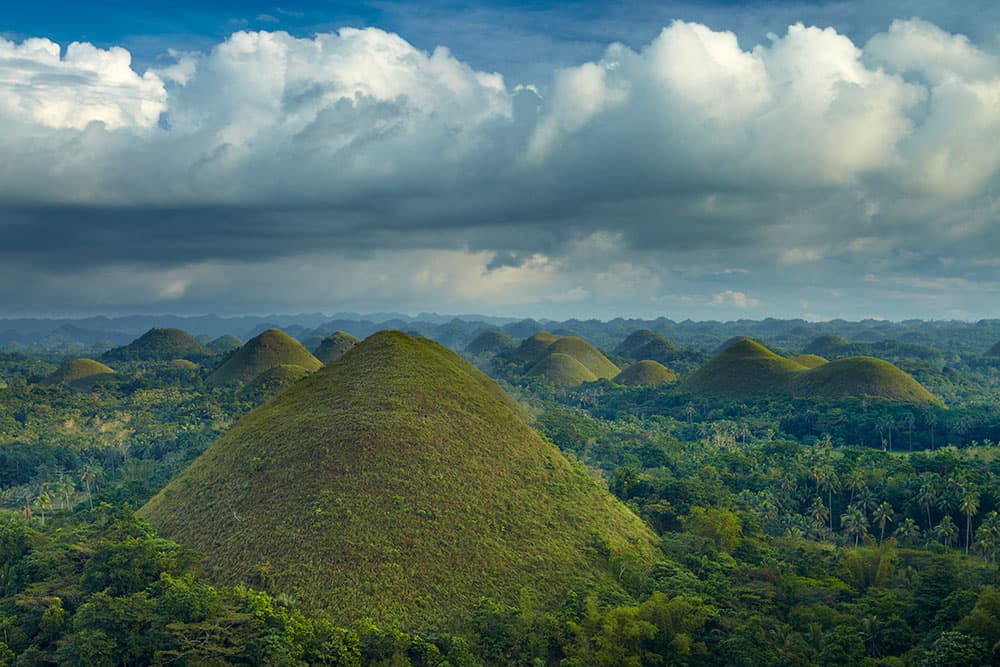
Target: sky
[705, 160]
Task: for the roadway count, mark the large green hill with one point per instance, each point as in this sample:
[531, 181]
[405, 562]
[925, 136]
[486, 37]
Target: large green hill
[267, 350]
[398, 484]
[334, 346]
[561, 370]
[646, 373]
[532, 348]
[747, 369]
[160, 345]
[78, 371]
[491, 341]
[224, 343]
[647, 344]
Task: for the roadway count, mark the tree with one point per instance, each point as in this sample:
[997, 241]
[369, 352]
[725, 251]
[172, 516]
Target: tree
[883, 514]
[43, 502]
[969, 506]
[90, 475]
[908, 531]
[927, 496]
[854, 522]
[946, 532]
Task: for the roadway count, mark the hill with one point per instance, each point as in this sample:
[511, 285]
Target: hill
[858, 377]
[491, 341]
[646, 344]
[993, 351]
[827, 345]
[223, 344]
[588, 355]
[335, 346]
[79, 370]
[562, 370]
[532, 348]
[747, 369]
[183, 365]
[646, 373]
[810, 360]
[409, 487]
[264, 351]
[744, 368]
[160, 345]
[273, 380]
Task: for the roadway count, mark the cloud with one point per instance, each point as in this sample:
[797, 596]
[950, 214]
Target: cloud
[617, 183]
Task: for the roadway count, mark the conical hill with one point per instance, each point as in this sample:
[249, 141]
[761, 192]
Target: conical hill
[267, 350]
[398, 484]
[491, 341]
[647, 344]
[588, 355]
[160, 345]
[224, 343]
[335, 346]
[561, 370]
[79, 370]
[646, 373]
[744, 368]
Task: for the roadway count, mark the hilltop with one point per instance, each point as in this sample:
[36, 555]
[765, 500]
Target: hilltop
[491, 341]
[273, 380]
[79, 371]
[160, 345]
[565, 361]
[562, 370]
[588, 355]
[334, 346]
[748, 369]
[646, 373]
[827, 345]
[409, 486]
[810, 360]
[266, 350]
[647, 344]
[223, 344]
[532, 348]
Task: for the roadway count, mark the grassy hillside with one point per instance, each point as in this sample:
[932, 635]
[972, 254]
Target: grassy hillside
[491, 341]
[335, 346]
[646, 373]
[160, 345]
[827, 345]
[224, 344]
[273, 380]
[646, 344]
[562, 370]
[183, 365]
[747, 369]
[588, 355]
[861, 377]
[79, 369]
[744, 368]
[409, 487]
[810, 360]
[532, 348]
[267, 350]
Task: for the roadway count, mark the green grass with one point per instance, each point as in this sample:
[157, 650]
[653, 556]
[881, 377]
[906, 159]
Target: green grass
[532, 348]
[271, 348]
[810, 360]
[561, 370]
[397, 483]
[273, 380]
[588, 355]
[79, 369]
[223, 344]
[491, 341]
[747, 369]
[183, 365]
[335, 346]
[646, 344]
[646, 373]
[160, 345]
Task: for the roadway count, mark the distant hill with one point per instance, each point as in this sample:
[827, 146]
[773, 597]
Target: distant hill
[491, 341]
[827, 345]
[810, 360]
[646, 373]
[160, 345]
[223, 344]
[398, 484]
[562, 370]
[647, 344]
[532, 348]
[183, 365]
[586, 354]
[993, 351]
[78, 371]
[266, 350]
[334, 346]
[747, 369]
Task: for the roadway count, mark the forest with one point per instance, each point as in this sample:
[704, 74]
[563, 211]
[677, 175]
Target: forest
[789, 527]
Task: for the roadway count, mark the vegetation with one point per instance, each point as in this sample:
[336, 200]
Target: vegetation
[160, 345]
[561, 370]
[409, 487]
[224, 344]
[334, 346]
[810, 360]
[273, 380]
[265, 351]
[491, 341]
[646, 373]
[73, 372]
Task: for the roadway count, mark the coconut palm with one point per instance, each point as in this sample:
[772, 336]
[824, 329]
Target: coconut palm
[908, 531]
[946, 532]
[43, 501]
[883, 514]
[854, 523]
[927, 496]
[969, 504]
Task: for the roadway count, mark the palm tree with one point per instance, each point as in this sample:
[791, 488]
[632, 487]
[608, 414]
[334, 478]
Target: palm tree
[883, 514]
[988, 536]
[90, 475]
[927, 496]
[854, 522]
[819, 512]
[946, 532]
[908, 531]
[43, 502]
[856, 480]
[969, 506]
[831, 483]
